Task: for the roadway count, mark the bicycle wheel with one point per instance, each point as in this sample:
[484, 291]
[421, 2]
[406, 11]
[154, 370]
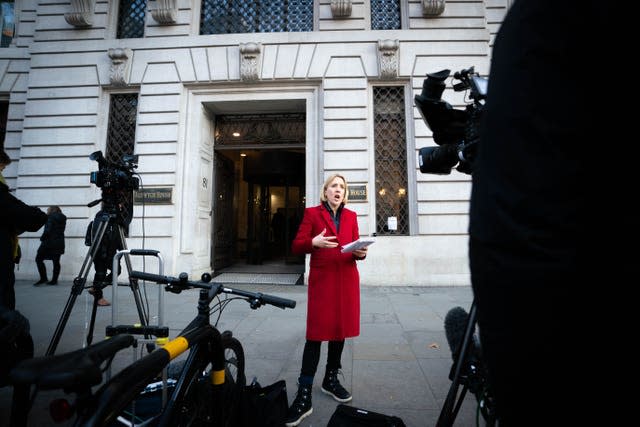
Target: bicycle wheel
[234, 361]
[197, 404]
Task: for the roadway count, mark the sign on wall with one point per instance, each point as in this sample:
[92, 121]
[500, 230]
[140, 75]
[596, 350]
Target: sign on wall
[358, 193]
[152, 196]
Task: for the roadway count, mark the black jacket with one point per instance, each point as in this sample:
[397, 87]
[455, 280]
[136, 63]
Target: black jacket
[53, 235]
[15, 218]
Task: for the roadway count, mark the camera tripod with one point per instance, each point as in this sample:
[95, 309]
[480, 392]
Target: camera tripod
[468, 373]
[107, 234]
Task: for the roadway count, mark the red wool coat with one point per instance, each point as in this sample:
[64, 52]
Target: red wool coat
[333, 307]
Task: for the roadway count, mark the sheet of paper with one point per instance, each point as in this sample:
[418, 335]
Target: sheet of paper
[358, 244]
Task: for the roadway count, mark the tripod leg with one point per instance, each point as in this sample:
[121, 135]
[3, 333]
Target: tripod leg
[453, 401]
[96, 297]
[78, 285]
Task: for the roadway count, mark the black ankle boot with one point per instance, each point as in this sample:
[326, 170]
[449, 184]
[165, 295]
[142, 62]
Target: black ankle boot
[332, 387]
[301, 406]
[40, 282]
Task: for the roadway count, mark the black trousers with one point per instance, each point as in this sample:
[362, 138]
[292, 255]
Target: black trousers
[42, 270]
[311, 357]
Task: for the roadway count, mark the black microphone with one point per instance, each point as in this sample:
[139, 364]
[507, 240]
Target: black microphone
[455, 325]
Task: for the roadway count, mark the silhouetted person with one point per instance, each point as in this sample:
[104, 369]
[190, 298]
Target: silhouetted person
[547, 208]
[103, 258]
[51, 245]
[17, 345]
[277, 224]
[15, 218]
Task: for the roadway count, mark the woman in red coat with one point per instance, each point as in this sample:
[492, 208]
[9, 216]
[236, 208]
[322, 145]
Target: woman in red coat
[333, 310]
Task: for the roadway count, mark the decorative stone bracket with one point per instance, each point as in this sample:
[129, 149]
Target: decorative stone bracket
[120, 66]
[250, 56]
[340, 8]
[166, 11]
[81, 14]
[388, 58]
[432, 7]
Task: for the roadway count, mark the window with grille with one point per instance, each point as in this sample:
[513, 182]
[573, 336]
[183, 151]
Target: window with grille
[266, 16]
[385, 15]
[121, 136]
[131, 19]
[390, 142]
[121, 131]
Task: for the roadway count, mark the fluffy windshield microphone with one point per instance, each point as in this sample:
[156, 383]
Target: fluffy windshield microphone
[455, 324]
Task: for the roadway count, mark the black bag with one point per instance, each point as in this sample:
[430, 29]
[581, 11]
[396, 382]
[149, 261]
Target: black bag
[349, 416]
[265, 406]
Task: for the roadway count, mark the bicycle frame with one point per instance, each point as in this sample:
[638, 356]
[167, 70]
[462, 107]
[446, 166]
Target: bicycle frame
[205, 343]
[199, 336]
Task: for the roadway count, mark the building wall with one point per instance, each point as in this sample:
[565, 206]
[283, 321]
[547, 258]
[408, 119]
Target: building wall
[59, 77]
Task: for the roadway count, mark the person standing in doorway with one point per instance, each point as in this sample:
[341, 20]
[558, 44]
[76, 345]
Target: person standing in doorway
[277, 223]
[333, 311]
[51, 245]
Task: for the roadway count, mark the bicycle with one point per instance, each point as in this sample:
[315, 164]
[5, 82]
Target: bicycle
[205, 393]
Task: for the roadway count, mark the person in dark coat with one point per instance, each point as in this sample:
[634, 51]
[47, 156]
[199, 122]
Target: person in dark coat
[550, 206]
[103, 256]
[333, 311]
[15, 218]
[52, 245]
[17, 345]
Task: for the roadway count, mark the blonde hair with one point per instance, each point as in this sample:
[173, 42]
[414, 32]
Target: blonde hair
[328, 181]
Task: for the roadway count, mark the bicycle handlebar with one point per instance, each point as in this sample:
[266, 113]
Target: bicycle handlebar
[177, 284]
[263, 298]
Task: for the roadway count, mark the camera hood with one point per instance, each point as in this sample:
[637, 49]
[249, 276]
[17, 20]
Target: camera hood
[446, 123]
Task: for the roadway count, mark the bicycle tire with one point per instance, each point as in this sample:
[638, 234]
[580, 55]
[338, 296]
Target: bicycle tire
[234, 357]
[234, 361]
[194, 407]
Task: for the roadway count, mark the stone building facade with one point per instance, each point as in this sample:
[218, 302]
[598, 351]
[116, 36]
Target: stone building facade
[335, 96]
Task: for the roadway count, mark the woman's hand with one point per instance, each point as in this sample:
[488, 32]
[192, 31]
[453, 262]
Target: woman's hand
[324, 242]
[360, 253]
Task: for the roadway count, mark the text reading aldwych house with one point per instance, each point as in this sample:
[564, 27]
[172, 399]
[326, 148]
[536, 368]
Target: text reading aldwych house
[239, 111]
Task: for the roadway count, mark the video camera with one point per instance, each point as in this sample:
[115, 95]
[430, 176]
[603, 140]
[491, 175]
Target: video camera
[455, 131]
[117, 183]
[113, 175]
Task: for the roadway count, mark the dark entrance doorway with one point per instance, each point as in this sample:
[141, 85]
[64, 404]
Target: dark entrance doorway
[259, 192]
[275, 182]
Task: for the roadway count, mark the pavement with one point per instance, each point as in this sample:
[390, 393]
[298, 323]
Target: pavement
[399, 365]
